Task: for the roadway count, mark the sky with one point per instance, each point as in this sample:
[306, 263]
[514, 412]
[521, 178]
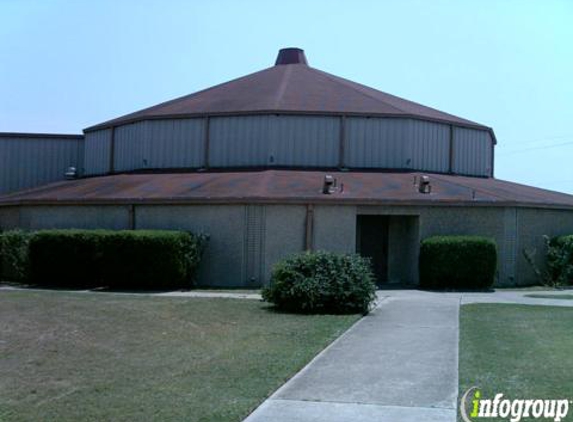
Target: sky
[66, 65]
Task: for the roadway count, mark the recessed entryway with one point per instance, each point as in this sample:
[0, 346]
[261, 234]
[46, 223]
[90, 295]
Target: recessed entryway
[392, 243]
[372, 242]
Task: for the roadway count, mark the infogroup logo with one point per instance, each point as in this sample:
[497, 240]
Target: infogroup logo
[473, 408]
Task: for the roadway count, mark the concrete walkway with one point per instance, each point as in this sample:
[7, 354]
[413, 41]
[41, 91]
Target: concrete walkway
[520, 297]
[212, 294]
[400, 363]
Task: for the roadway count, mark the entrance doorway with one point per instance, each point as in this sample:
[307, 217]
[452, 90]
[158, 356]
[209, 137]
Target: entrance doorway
[372, 242]
[392, 243]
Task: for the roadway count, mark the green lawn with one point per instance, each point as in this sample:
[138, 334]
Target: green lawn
[107, 357]
[551, 296]
[518, 350]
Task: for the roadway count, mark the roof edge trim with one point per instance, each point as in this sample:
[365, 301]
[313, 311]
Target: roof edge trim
[40, 135]
[298, 201]
[104, 126]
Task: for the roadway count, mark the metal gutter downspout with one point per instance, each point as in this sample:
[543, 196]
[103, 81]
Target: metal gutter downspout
[131, 223]
[309, 228]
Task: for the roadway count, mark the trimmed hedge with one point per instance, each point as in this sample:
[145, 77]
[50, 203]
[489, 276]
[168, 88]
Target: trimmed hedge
[14, 257]
[322, 282]
[134, 259]
[457, 262]
[67, 258]
[149, 259]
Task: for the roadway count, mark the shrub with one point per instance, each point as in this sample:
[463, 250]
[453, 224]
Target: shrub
[150, 258]
[322, 282]
[67, 258]
[146, 259]
[559, 270]
[14, 257]
[457, 262]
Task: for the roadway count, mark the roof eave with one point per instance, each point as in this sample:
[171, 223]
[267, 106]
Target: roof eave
[113, 123]
[329, 200]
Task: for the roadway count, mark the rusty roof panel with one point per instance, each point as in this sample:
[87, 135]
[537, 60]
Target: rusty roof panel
[288, 186]
[290, 88]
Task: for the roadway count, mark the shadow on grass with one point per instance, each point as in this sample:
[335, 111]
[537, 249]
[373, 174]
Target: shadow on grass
[58, 287]
[489, 290]
[269, 307]
[550, 296]
[106, 289]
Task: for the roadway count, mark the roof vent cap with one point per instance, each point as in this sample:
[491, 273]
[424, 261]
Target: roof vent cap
[330, 185]
[291, 55]
[71, 173]
[424, 185]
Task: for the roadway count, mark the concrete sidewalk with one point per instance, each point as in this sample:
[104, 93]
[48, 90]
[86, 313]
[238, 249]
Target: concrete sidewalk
[400, 363]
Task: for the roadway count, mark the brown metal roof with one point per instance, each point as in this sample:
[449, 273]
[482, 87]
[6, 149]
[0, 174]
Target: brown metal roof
[288, 186]
[291, 86]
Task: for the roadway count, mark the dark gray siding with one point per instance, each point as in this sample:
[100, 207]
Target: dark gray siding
[375, 142]
[472, 152]
[157, 144]
[269, 140]
[33, 160]
[97, 152]
[291, 141]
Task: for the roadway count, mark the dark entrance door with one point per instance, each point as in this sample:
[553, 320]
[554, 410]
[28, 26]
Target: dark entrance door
[372, 242]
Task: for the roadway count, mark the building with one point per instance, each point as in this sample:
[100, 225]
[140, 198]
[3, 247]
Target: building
[292, 158]
[33, 159]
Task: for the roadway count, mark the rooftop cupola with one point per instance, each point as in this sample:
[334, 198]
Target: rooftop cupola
[291, 56]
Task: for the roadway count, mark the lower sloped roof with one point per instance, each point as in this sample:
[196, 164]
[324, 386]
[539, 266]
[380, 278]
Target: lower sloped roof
[288, 186]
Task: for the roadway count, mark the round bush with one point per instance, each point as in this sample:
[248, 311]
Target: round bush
[322, 282]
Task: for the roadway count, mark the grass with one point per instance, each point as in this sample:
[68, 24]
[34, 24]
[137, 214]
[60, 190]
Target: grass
[106, 357]
[550, 296]
[519, 350]
[533, 288]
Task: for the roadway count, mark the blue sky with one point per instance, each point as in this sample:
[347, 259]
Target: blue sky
[66, 65]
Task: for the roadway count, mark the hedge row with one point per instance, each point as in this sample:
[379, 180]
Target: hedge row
[14, 256]
[322, 282]
[457, 262]
[130, 259]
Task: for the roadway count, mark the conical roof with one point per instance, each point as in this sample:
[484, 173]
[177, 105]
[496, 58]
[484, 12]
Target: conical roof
[291, 86]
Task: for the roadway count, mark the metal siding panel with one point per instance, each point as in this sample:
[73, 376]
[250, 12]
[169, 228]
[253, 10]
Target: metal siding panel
[80, 156]
[130, 147]
[176, 143]
[429, 146]
[489, 156]
[30, 162]
[376, 142]
[96, 152]
[472, 152]
[239, 141]
[305, 140]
